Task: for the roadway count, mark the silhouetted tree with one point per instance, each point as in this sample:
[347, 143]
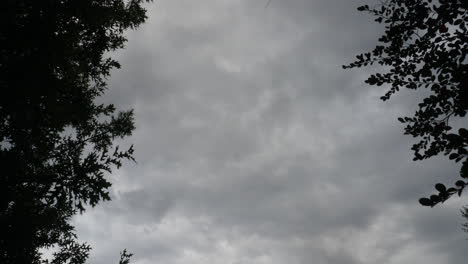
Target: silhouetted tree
[56, 142]
[424, 46]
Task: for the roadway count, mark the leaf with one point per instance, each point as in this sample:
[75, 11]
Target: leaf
[453, 137]
[463, 132]
[440, 187]
[460, 183]
[362, 8]
[425, 202]
[464, 170]
[453, 156]
[435, 198]
[451, 190]
[443, 29]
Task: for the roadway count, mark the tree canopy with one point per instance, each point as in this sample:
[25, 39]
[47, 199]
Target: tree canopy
[56, 143]
[424, 46]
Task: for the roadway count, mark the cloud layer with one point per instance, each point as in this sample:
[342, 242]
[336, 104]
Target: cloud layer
[254, 146]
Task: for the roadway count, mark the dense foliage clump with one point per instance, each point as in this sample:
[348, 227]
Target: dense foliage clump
[424, 46]
[56, 142]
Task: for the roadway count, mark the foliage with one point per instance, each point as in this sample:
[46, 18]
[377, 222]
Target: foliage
[464, 213]
[424, 47]
[125, 257]
[56, 142]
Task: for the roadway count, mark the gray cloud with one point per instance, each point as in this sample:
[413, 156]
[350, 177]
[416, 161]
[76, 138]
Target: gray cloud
[254, 146]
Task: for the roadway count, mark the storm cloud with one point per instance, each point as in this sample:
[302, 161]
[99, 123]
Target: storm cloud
[254, 146]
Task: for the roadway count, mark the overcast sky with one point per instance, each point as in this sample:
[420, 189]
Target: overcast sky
[255, 146]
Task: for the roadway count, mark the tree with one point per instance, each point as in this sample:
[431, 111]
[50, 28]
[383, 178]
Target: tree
[424, 46]
[56, 143]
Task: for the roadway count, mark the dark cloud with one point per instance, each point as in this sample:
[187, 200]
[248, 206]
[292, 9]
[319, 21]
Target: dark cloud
[254, 146]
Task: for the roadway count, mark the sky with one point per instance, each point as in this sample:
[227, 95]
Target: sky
[254, 146]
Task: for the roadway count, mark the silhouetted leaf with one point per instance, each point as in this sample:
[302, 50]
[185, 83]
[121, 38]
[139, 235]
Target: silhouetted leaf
[440, 187]
[463, 132]
[464, 169]
[435, 198]
[460, 183]
[425, 202]
[451, 190]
